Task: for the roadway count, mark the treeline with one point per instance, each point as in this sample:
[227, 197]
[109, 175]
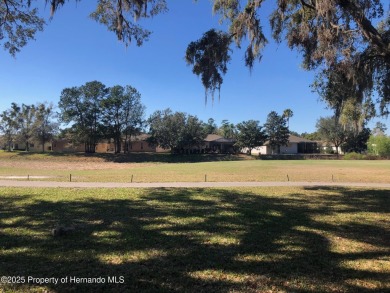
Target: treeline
[179, 131]
[27, 124]
[93, 112]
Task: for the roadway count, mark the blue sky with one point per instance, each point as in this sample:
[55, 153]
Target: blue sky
[74, 49]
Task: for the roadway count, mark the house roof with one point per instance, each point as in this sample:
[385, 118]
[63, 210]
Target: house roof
[298, 139]
[295, 139]
[218, 138]
[212, 137]
[140, 137]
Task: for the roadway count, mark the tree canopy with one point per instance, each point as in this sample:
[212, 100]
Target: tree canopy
[332, 131]
[176, 131]
[343, 37]
[250, 135]
[277, 131]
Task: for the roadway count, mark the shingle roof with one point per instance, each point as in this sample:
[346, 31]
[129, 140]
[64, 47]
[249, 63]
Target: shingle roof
[295, 139]
[218, 138]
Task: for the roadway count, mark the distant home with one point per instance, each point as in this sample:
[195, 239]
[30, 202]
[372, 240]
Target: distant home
[296, 145]
[215, 143]
[136, 144]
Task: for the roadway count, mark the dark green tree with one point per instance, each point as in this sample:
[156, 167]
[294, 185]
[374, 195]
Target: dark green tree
[210, 127]
[82, 107]
[250, 135]
[25, 118]
[45, 125]
[8, 127]
[227, 129]
[209, 57]
[175, 131]
[122, 114]
[356, 142]
[287, 114]
[315, 136]
[332, 131]
[277, 131]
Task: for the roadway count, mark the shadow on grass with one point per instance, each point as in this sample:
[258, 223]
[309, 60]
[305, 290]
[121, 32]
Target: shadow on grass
[196, 240]
[137, 157]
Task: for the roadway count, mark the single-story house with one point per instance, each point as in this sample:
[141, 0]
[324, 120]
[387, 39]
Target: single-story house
[296, 145]
[218, 144]
[135, 144]
[328, 147]
[19, 145]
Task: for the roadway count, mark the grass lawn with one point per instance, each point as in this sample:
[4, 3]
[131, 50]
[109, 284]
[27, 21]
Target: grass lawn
[198, 240]
[167, 168]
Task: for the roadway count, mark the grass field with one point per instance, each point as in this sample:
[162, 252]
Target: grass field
[166, 168]
[198, 240]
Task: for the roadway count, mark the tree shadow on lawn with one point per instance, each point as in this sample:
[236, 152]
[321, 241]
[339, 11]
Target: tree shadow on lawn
[196, 240]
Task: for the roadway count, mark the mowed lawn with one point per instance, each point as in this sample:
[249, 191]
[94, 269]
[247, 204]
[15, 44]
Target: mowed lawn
[157, 168]
[198, 240]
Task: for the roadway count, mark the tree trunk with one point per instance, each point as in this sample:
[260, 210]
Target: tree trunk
[368, 30]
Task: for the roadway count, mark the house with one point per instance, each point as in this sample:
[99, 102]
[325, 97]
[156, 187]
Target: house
[328, 148]
[19, 145]
[296, 145]
[218, 144]
[136, 143]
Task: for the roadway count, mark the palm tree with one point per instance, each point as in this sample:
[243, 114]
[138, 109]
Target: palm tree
[287, 114]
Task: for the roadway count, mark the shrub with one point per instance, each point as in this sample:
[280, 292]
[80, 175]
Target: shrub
[354, 156]
[379, 145]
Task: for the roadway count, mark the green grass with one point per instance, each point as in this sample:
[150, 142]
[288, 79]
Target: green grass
[158, 168]
[198, 240]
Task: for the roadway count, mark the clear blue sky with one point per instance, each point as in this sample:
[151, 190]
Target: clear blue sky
[74, 49]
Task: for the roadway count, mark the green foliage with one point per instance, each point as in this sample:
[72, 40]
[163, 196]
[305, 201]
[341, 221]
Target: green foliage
[332, 131]
[82, 106]
[209, 57]
[25, 123]
[356, 142]
[354, 156]
[8, 127]
[227, 129]
[311, 136]
[122, 114]
[19, 23]
[176, 131]
[250, 134]
[45, 127]
[210, 127]
[287, 114]
[120, 17]
[277, 131]
[379, 145]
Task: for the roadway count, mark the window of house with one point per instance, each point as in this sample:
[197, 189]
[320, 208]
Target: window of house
[142, 145]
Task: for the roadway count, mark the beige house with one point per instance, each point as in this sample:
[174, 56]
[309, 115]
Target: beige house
[136, 144]
[19, 145]
[296, 145]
